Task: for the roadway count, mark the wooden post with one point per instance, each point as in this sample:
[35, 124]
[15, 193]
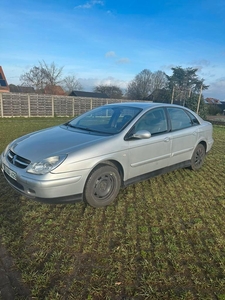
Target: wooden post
[199, 100]
[73, 106]
[172, 95]
[28, 103]
[189, 94]
[91, 103]
[1, 102]
[53, 108]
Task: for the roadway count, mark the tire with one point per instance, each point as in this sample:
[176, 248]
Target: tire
[102, 186]
[198, 157]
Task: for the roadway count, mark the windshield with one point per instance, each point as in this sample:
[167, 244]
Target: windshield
[105, 119]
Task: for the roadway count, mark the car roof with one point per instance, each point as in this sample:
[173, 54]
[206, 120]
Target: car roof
[144, 105]
[140, 104]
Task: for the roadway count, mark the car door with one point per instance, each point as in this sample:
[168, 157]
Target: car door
[184, 135]
[150, 154]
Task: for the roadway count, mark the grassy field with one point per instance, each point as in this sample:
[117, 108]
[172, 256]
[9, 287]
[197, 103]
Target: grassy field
[162, 239]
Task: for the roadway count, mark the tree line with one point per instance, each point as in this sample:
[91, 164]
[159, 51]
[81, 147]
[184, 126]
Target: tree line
[183, 87]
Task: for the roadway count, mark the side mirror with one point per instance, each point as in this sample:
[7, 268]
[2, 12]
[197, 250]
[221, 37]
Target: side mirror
[141, 134]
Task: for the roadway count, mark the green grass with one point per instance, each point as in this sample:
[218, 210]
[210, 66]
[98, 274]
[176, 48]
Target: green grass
[161, 239]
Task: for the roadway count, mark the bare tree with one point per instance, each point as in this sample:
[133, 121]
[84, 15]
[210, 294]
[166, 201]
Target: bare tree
[42, 75]
[112, 91]
[159, 80]
[145, 83]
[51, 73]
[70, 83]
[34, 78]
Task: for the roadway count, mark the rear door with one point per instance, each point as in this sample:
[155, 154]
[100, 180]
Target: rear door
[184, 134]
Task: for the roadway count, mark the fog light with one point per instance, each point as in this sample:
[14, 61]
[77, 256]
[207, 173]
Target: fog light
[30, 191]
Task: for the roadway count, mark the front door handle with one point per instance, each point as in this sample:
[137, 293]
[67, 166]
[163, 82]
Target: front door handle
[167, 139]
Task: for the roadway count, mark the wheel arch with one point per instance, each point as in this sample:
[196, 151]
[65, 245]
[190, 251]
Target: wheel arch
[204, 144]
[113, 163]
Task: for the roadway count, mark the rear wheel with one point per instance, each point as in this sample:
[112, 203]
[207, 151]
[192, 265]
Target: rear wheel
[102, 186]
[198, 157]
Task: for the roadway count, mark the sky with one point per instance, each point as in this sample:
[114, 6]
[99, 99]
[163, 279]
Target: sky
[110, 42]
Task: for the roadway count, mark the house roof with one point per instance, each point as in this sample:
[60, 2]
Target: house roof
[3, 82]
[88, 94]
[212, 101]
[21, 89]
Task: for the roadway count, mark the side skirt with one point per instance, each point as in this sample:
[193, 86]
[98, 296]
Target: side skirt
[155, 173]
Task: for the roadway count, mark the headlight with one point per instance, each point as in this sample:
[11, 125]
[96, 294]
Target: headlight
[46, 165]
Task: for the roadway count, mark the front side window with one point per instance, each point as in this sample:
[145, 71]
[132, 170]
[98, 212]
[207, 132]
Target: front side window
[154, 121]
[179, 118]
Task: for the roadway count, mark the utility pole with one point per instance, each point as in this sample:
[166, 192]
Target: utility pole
[199, 99]
[172, 95]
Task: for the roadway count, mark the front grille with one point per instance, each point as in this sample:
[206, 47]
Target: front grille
[17, 160]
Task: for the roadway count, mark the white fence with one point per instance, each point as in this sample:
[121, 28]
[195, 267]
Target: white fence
[34, 105]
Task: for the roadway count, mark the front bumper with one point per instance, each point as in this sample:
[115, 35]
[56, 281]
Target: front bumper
[49, 188]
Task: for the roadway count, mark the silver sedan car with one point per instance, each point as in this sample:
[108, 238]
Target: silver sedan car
[92, 156]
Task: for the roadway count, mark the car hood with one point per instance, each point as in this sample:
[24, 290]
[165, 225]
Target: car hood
[53, 141]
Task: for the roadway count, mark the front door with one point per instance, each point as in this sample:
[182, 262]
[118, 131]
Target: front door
[147, 155]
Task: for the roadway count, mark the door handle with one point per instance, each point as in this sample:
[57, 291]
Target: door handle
[167, 139]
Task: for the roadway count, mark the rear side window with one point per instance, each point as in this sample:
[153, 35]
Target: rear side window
[179, 118]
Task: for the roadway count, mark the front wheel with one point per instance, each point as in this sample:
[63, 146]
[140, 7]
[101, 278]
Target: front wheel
[198, 157]
[102, 186]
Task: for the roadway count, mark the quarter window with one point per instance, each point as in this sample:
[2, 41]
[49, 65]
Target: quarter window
[193, 119]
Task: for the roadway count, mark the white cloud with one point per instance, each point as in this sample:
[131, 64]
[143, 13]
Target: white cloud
[216, 89]
[201, 62]
[110, 54]
[89, 84]
[123, 61]
[90, 4]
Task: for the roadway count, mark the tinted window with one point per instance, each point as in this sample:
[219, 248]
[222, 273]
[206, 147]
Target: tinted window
[153, 121]
[179, 118]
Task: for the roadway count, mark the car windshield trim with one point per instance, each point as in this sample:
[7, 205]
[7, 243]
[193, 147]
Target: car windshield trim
[108, 120]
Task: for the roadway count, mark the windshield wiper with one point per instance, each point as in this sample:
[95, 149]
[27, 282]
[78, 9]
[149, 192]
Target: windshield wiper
[87, 129]
[83, 128]
[69, 125]
[74, 126]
